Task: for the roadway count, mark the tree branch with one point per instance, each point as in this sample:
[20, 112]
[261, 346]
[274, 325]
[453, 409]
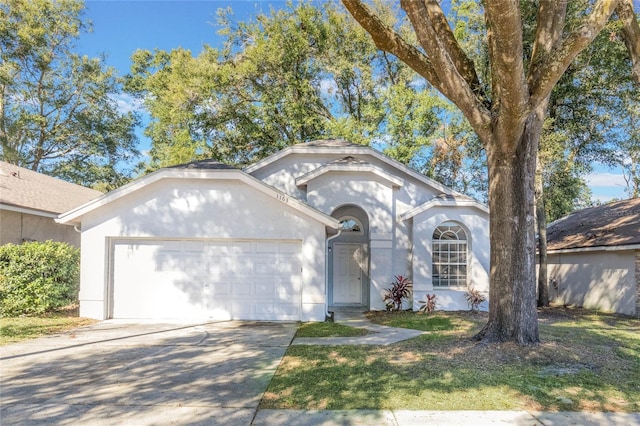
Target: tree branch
[631, 34]
[452, 85]
[509, 88]
[556, 63]
[550, 22]
[461, 61]
[387, 39]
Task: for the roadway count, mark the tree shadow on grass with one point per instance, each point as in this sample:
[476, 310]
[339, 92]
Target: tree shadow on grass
[581, 365]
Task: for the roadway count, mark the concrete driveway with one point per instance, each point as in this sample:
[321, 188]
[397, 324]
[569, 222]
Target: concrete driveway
[118, 373]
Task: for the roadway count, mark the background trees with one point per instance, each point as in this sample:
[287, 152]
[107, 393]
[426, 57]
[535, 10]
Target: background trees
[297, 74]
[57, 114]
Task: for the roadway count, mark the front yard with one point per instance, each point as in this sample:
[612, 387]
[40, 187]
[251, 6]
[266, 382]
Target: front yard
[16, 329]
[587, 361]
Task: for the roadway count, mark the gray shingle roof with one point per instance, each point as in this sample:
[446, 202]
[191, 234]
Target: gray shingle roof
[613, 224]
[20, 187]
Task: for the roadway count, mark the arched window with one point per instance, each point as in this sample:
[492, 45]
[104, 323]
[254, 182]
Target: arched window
[449, 267]
[349, 224]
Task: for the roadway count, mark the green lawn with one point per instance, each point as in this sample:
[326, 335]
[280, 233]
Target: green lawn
[15, 329]
[586, 362]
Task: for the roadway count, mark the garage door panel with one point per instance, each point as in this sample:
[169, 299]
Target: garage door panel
[212, 279]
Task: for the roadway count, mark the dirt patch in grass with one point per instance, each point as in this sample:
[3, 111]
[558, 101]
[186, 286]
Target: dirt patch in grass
[586, 361]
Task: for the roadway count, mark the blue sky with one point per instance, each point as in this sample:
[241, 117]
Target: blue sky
[122, 26]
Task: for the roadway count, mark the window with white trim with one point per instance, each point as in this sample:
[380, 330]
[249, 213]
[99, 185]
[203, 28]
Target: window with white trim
[449, 267]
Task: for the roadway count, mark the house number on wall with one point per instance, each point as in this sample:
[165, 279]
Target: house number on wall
[282, 198]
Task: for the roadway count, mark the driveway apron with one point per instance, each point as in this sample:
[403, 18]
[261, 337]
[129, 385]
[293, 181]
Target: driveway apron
[119, 373]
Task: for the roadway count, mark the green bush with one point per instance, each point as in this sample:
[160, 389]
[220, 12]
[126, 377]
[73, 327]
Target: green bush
[37, 277]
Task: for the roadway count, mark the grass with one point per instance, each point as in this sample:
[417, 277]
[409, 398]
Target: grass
[16, 329]
[328, 329]
[585, 362]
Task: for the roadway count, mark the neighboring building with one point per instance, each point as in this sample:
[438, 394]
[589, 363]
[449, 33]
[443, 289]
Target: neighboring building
[30, 201]
[205, 240]
[594, 258]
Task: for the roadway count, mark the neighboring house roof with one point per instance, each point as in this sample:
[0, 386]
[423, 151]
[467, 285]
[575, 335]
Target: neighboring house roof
[348, 148]
[206, 169]
[30, 192]
[611, 225]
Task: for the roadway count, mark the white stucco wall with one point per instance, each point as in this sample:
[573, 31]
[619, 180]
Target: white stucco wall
[476, 225]
[594, 279]
[376, 197]
[396, 247]
[198, 209]
[283, 172]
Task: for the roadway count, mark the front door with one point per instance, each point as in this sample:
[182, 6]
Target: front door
[347, 274]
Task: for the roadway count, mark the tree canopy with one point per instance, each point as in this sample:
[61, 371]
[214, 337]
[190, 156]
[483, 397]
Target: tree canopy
[505, 100]
[57, 111]
[303, 72]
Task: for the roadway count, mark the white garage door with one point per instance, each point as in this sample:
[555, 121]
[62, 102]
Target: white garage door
[253, 280]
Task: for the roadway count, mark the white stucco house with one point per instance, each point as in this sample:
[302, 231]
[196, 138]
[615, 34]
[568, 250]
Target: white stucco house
[312, 228]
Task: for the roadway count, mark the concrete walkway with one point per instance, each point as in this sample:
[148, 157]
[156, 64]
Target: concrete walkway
[378, 334]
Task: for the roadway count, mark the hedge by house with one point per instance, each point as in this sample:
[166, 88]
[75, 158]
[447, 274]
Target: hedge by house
[37, 277]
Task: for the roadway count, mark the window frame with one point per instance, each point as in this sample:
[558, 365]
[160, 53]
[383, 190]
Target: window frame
[450, 257]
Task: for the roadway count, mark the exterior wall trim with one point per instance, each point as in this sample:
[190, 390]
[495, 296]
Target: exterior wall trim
[18, 209]
[73, 217]
[598, 248]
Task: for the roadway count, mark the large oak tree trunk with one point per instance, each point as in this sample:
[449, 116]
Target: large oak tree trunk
[513, 314]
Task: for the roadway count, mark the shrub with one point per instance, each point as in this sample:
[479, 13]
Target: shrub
[429, 304]
[474, 299]
[37, 277]
[400, 289]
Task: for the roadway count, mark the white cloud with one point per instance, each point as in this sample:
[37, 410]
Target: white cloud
[606, 186]
[606, 180]
[127, 103]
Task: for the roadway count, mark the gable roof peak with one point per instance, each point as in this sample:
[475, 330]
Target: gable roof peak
[207, 164]
[327, 143]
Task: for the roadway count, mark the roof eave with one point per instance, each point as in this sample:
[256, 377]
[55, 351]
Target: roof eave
[27, 210]
[442, 203]
[73, 216]
[393, 181]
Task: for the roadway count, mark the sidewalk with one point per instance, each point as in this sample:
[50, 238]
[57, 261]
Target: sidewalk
[442, 418]
[379, 334]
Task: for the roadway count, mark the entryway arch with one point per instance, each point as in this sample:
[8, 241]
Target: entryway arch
[349, 259]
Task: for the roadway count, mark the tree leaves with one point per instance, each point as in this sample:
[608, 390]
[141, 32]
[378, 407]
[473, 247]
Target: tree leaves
[57, 114]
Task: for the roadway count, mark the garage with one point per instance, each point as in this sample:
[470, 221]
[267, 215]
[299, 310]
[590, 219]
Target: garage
[206, 279]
